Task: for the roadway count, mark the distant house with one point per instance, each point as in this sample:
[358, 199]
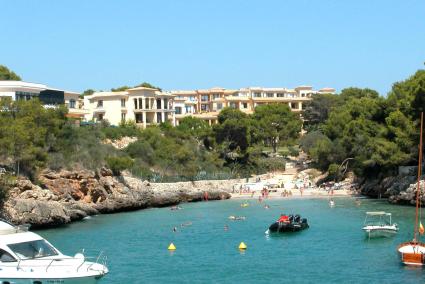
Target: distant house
[145, 106]
[20, 90]
[207, 104]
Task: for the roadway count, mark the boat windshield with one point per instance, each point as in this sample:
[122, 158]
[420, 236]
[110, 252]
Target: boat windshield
[33, 249]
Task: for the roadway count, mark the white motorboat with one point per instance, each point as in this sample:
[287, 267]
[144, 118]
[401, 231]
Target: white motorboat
[378, 224]
[26, 257]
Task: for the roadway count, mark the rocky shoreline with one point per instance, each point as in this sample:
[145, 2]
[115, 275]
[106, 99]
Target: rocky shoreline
[67, 196]
[399, 189]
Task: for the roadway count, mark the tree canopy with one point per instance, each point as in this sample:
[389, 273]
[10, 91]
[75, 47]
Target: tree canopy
[8, 75]
[378, 134]
[144, 84]
[277, 123]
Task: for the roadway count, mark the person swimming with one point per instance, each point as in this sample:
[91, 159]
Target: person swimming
[175, 207]
[186, 224]
[266, 207]
[226, 228]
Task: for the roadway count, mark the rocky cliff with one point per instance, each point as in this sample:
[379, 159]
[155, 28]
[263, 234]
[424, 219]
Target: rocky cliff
[399, 189]
[66, 196]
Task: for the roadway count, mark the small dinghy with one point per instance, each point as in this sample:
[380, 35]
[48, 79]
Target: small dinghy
[289, 223]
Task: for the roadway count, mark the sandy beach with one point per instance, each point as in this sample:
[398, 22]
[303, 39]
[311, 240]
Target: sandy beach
[291, 183]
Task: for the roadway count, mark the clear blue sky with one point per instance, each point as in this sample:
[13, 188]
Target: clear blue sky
[194, 44]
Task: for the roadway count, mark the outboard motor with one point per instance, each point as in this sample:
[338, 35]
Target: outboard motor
[304, 220]
[297, 218]
[291, 218]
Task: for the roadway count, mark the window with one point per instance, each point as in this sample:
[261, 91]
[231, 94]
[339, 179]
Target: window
[123, 116]
[257, 95]
[122, 102]
[293, 105]
[216, 96]
[270, 95]
[188, 109]
[100, 116]
[6, 257]
[245, 105]
[205, 98]
[204, 107]
[33, 249]
[232, 105]
[178, 110]
[25, 95]
[219, 106]
[280, 95]
[71, 103]
[100, 103]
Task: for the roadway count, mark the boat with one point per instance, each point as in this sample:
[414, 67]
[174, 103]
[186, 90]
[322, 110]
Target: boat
[378, 224]
[26, 257]
[289, 223]
[413, 252]
[237, 218]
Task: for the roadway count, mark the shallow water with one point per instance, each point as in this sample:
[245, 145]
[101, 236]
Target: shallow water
[333, 250]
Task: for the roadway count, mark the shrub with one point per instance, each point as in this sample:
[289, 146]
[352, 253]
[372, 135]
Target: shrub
[118, 164]
[293, 151]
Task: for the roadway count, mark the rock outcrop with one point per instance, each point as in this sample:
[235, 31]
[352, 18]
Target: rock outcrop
[399, 189]
[66, 196]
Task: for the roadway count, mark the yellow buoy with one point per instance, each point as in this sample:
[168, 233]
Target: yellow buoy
[242, 245]
[171, 247]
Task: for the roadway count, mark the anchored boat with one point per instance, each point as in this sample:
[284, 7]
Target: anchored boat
[26, 257]
[412, 253]
[378, 224]
[289, 223]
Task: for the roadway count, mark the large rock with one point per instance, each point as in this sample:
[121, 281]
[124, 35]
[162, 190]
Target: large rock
[67, 196]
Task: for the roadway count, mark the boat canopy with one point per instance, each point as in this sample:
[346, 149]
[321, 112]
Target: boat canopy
[378, 213]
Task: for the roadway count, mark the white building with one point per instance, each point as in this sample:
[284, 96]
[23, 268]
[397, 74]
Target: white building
[145, 106]
[19, 90]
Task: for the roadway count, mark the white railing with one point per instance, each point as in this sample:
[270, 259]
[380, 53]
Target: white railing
[57, 262]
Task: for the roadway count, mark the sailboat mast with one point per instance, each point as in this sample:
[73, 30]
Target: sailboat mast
[419, 179]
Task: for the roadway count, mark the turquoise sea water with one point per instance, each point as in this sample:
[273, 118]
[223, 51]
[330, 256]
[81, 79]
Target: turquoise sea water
[332, 250]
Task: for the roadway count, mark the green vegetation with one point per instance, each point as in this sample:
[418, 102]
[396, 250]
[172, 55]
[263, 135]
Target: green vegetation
[378, 134]
[87, 92]
[6, 74]
[144, 84]
[33, 138]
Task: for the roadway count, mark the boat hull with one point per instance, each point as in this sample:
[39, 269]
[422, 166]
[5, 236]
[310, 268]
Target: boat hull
[79, 280]
[386, 232]
[412, 253]
[288, 227]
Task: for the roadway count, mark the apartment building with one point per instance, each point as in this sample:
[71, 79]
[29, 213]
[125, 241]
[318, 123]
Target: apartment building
[20, 90]
[206, 104]
[145, 106]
